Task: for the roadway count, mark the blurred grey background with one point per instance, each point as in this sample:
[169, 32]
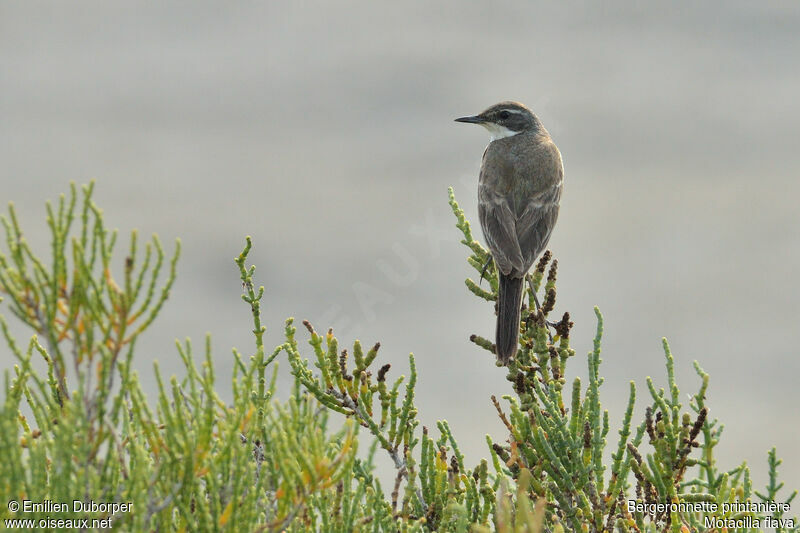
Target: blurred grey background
[326, 132]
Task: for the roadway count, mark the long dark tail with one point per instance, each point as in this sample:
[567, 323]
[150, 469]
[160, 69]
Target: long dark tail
[509, 296]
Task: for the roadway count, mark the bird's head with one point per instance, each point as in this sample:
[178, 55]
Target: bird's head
[505, 119]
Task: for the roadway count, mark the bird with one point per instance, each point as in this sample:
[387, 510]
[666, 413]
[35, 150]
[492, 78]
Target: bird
[519, 194]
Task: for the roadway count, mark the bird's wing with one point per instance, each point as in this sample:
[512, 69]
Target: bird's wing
[543, 173]
[498, 224]
[536, 223]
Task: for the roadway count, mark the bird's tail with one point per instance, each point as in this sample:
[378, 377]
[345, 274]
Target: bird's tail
[509, 301]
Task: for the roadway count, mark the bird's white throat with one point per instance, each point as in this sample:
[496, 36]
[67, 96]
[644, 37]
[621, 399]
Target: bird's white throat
[497, 131]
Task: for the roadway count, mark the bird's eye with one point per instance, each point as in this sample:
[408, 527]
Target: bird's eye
[504, 114]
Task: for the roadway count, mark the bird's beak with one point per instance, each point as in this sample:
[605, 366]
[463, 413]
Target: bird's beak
[475, 119]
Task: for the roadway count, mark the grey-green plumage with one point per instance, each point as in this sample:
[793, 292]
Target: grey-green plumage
[519, 190]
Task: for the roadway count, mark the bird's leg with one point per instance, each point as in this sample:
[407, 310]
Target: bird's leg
[533, 292]
[539, 306]
[486, 267]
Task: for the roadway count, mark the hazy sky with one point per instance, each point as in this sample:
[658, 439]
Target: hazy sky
[326, 132]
